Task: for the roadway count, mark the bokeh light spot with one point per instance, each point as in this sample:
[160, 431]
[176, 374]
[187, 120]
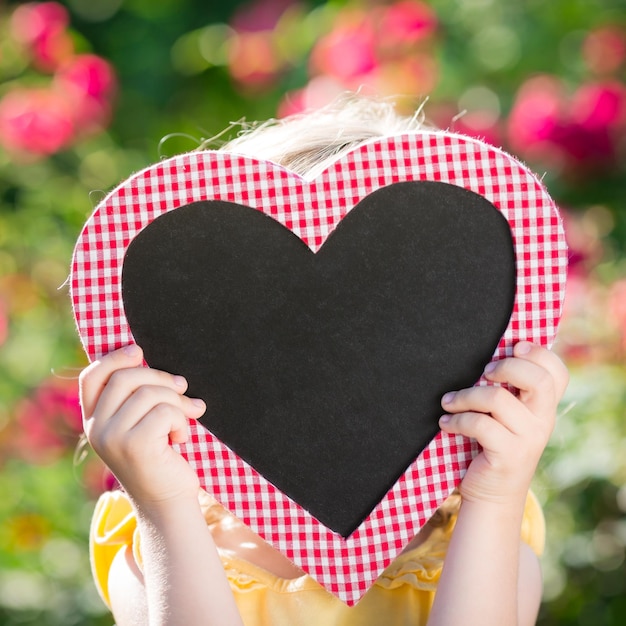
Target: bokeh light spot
[497, 47]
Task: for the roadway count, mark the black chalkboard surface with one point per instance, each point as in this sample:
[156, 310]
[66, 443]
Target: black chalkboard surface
[325, 371]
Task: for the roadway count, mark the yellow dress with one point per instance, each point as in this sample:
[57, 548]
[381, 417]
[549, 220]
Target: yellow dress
[402, 595]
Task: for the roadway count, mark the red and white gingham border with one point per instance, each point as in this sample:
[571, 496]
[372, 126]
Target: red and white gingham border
[312, 209]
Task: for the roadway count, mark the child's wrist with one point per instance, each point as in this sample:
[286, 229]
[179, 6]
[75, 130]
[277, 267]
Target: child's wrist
[156, 510]
[504, 505]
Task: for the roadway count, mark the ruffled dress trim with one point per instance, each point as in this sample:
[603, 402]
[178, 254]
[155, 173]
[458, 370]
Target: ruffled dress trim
[114, 526]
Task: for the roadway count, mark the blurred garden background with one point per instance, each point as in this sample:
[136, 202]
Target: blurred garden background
[93, 90]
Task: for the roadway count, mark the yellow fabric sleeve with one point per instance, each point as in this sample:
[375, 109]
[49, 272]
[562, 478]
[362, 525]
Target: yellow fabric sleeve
[113, 527]
[534, 525]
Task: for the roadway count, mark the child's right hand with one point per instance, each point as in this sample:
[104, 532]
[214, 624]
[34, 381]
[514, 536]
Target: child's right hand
[131, 415]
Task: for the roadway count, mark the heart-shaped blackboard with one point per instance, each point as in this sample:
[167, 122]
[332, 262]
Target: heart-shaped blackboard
[323, 319]
[325, 371]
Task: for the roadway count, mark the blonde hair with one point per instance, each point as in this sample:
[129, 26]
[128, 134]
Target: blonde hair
[306, 143]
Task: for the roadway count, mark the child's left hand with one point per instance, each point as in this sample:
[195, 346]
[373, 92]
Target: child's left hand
[512, 430]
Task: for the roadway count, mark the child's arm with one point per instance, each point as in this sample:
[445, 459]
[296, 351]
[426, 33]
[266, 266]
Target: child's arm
[131, 415]
[487, 578]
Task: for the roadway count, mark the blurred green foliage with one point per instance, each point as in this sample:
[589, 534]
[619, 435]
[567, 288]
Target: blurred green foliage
[184, 70]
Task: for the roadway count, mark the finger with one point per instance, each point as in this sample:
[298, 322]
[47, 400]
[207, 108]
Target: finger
[499, 403]
[143, 400]
[539, 375]
[123, 383]
[479, 426]
[163, 421]
[521, 374]
[93, 378]
[150, 436]
[108, 436]
[546, 359]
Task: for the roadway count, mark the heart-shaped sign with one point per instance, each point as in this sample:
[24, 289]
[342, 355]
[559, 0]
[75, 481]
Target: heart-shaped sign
[325, 371]
[322, 320]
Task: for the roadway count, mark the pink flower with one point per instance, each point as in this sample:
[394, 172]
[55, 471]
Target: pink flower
[35, 122]
[39, 122]
[406, 22]
[377, 50]
[535, 113]
[41, 28]
[578, 134]
[599, 106]
[88, 75]
[604, 49]
[4, 321]
[33, 20]
[88, 83]
[48, 422]
[617, 308]
[348, 52]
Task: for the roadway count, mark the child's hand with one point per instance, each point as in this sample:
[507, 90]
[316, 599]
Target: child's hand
[513, 431]
[131, 415]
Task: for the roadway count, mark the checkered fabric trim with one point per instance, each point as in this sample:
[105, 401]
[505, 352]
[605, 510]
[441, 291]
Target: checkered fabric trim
[312, 209]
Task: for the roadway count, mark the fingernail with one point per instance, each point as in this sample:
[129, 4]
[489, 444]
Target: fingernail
[449, 397]
[179, 381]
[131, 350]
[490, 367]
[197, 402]
[523, 347]
[444, 419]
